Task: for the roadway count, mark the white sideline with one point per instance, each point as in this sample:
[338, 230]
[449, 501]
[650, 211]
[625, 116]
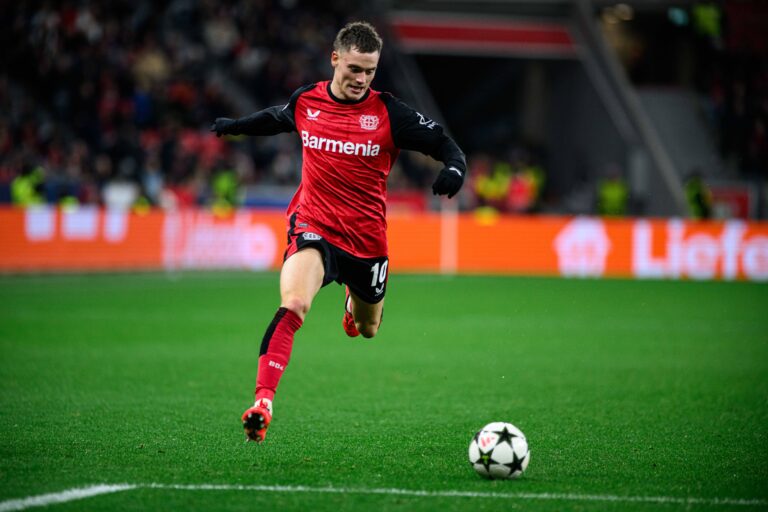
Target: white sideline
[95, 490]
[62, 497]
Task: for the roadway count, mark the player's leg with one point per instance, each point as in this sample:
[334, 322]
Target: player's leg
[367, 316]
[348, 322]
[300, 280]
[366, 280]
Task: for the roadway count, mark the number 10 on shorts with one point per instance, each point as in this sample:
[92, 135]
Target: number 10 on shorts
[379, 271]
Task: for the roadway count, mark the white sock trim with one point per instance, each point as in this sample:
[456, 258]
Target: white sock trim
[266, 401]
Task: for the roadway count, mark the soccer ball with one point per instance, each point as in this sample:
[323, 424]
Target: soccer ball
[499, 451]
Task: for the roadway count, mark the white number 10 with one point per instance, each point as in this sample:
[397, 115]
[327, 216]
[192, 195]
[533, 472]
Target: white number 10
[379, 276]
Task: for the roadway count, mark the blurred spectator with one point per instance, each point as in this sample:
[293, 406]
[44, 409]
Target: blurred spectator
[224, 190]
[220, 32]
[612, 194]
[490, 183]
[699, 196]
[523, 191]
[152, 180]
[513, 184]
[526, 185]
[151, 65]
[26, 187]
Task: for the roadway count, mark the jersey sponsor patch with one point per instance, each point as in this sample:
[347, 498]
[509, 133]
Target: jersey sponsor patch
[368, 122]
[311, 236]
[339, 146]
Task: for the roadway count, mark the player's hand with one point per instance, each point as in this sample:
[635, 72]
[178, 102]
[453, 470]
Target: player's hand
[449, 181]
[222, 126]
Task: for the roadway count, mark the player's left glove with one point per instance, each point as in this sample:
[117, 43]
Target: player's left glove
[449, 181]
[223, 126]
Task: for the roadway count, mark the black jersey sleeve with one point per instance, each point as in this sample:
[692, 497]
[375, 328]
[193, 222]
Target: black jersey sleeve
[271, 120]
[414, 131]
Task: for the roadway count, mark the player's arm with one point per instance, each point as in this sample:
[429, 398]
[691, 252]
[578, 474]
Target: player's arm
[413, 131]
[270, 121]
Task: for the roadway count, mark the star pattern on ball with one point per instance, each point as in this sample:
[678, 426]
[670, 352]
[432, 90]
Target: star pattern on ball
[486, 460]
[516, 464]
[506, 435]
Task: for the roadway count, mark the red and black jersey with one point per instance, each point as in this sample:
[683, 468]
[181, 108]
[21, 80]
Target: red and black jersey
[349, 148]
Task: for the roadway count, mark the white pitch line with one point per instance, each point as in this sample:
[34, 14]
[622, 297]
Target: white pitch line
[78, 493]
[95, 490]
[464, 494]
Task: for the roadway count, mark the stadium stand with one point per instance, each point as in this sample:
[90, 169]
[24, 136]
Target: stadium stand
[111, 106]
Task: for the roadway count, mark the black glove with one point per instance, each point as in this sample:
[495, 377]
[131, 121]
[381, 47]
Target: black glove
[222, 126]
[449, 181]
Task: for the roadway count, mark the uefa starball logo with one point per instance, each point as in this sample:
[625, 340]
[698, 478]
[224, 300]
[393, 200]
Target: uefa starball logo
[369, 122]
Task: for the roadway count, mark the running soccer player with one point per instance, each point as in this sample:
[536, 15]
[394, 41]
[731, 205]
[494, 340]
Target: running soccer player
[351, 136]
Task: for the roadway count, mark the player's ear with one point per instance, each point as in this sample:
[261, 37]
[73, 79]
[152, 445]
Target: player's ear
[334, 59]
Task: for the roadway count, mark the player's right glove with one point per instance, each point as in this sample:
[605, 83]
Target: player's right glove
[223, 126]
[449, 181]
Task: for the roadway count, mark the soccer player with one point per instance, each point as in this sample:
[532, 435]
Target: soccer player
[337, 224]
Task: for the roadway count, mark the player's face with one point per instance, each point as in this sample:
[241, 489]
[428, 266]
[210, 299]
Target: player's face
[352, 73]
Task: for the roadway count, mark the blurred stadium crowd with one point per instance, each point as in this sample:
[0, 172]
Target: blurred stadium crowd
[111, 104]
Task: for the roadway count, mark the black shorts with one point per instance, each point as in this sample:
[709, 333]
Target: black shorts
[366, 277]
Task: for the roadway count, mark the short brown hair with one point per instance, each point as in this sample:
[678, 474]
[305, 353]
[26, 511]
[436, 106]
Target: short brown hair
[360, 35]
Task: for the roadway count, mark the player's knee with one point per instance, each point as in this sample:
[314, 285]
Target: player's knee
[298, 305]
[368, 329]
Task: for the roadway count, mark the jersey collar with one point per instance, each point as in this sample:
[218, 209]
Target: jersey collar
[347, 102]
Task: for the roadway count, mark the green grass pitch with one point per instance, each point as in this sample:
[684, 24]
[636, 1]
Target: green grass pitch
[625, 389]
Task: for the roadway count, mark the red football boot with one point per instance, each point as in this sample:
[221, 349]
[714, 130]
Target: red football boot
[257, 419]
[349, 321]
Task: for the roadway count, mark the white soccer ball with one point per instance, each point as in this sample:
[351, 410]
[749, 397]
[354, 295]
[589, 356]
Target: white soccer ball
[499, 451]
